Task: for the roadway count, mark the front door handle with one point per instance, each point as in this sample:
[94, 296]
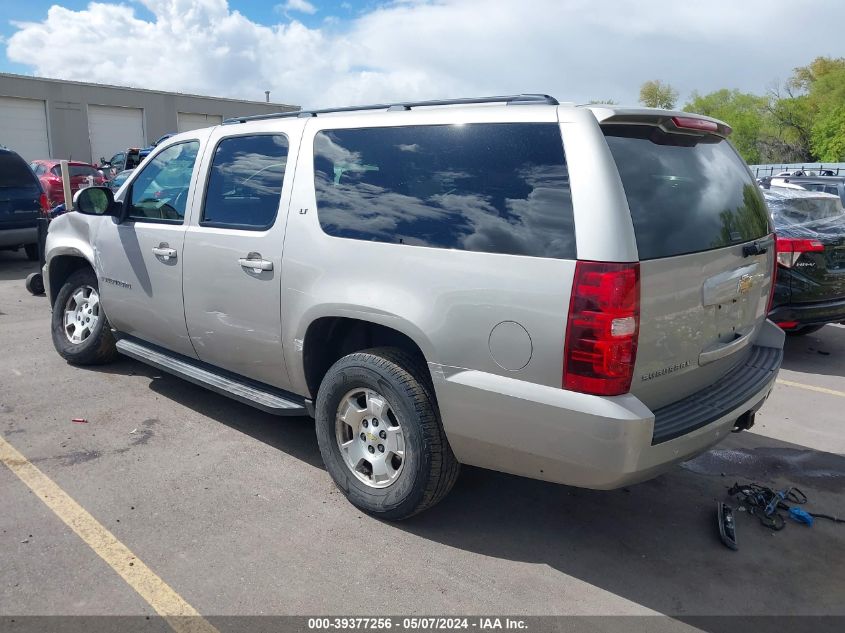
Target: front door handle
[255, 263]
[164, 251]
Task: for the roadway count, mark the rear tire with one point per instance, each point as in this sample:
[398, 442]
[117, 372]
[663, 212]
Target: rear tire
[31, 251]
[88, 324]
[384, 393]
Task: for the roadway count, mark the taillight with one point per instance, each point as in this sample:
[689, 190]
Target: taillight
[789, 250]
[45, 204]
[772, 288]
[603, 328]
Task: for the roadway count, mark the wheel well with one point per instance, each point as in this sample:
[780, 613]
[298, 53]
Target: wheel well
[331, 338]
[62, 267]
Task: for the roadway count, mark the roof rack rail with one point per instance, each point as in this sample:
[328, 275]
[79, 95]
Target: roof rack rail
[404, 105]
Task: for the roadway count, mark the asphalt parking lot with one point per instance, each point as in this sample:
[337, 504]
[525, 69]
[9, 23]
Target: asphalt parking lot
[233, 510]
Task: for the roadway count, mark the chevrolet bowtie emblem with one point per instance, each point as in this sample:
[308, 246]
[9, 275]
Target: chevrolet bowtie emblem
[745, 283]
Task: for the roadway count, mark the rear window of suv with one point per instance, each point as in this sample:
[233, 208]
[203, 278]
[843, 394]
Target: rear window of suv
[489, 187]
[15, 173]
[686, 193]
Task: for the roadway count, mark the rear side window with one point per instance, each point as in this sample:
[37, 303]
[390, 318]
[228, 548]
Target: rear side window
[15, 173]
[686, 193]
[494, 188]
[245, 183]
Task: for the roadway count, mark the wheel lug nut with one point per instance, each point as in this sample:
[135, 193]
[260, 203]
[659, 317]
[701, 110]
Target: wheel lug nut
[381, 448]
[363, 437]
[371, 449]
[382, 435]
[365, 424]
[375, 422]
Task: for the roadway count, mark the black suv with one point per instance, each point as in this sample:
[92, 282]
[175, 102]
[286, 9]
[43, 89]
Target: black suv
[810, 287]
[21, 201]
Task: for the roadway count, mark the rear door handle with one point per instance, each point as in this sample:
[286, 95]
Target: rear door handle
[255, 263]
[164, 251]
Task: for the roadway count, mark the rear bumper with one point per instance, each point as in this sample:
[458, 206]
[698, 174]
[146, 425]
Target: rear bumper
[18, 237]
[805, 314]
[595, 442]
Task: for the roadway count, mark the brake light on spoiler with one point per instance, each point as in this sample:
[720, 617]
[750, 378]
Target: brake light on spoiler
[789, 250]
[603, 328]
[700, 125]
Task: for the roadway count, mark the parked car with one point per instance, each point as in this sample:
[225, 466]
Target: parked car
[146, 150]
[834, 185]
[115, 183]
[21, 202]
[810, 288]
[443, 285]
[121, 161]
[49, 173]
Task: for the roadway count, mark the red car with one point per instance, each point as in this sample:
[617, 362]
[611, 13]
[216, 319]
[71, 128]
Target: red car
[49, 172]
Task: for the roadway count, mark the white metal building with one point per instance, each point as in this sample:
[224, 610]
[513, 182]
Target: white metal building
[51, 118]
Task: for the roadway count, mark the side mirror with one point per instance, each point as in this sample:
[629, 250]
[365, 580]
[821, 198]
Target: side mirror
[96, 201]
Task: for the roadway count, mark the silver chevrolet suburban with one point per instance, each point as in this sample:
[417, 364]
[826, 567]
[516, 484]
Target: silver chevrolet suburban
[571, 293]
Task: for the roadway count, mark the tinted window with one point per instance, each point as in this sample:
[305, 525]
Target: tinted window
[496, 188]
[15, 173]
[160, 192]
[75, 170]
[686, 193]
[246, 181]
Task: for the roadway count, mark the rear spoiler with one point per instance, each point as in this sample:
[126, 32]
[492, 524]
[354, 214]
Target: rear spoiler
[672, 121]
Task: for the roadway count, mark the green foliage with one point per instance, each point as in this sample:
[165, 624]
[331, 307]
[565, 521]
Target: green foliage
[745, 113]
[828, 135]
[656, 94]
[801, 121]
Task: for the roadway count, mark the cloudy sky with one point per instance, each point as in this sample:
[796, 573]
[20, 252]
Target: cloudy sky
[319, 53]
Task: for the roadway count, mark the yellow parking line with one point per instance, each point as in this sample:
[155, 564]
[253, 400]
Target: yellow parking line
[800, 385]
[181, 616]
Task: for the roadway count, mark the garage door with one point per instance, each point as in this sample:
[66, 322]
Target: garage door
[192, 121]
[114, 129]
[23, 127]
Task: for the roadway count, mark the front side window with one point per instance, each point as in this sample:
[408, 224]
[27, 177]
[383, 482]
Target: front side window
[160, 192]
[245, 182]
[488, 187]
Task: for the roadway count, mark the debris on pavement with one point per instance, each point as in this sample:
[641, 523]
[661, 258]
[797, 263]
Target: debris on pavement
[79, 421]
[764, 503]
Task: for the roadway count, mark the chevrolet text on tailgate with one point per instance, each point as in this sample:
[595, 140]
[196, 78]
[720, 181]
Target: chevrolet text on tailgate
[570, 293]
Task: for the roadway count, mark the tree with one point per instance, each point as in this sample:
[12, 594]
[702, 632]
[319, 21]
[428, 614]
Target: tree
[656, 94]
[811, 110]
[746, 113]
[603, 102]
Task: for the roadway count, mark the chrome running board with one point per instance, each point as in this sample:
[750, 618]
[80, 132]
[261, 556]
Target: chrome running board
[243, 390]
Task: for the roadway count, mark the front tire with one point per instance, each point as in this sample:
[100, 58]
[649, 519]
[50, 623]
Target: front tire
[81, 332]
[380, 435]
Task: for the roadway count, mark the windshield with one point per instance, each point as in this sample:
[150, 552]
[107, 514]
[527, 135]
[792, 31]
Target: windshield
[687, 193]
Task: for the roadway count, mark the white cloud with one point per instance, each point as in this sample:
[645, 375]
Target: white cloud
[303, 6]
[574, 49]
